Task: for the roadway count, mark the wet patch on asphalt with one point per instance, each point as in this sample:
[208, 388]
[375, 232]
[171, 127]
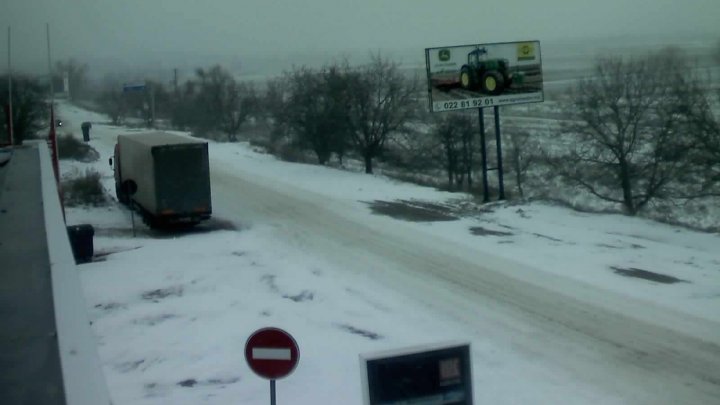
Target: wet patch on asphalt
[110, 306]
[361, 332]
[305, 295]
[631, 246]
[154, 319]
[270, 281]
[413, 211]
[128, 366]
[162, 293]
[550, 238]
[141, 230]
[191, 382]
[480, 231]
[647, 275]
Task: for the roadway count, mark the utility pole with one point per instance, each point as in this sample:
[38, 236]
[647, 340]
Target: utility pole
[66, 83]
[10, 110]
[52, 90]
[53, 135]
[175, 81]
[152, 104]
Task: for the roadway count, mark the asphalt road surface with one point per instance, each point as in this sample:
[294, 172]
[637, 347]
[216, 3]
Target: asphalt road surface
[629, 349]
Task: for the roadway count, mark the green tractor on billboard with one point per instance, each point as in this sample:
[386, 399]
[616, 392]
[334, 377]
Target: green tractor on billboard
[491, 76]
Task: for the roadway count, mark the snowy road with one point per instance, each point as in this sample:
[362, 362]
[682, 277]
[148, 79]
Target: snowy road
[639, 352]
[566, 330]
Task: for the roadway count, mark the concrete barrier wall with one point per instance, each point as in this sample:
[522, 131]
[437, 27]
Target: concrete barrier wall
[82, 370]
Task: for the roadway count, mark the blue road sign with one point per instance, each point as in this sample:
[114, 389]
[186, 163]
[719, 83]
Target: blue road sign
[128, 87]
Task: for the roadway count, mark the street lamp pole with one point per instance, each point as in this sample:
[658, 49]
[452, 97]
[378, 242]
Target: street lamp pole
[10, 110]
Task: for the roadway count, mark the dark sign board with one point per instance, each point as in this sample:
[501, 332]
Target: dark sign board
[484, 75]
[430, 375]
[130, 87]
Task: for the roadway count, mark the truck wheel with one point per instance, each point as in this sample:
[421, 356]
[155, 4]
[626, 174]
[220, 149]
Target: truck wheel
[121, 196]
[493, 83]
[466, 80]
[149, 220]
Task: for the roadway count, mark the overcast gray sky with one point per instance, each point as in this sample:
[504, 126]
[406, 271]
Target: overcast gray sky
[145, 30]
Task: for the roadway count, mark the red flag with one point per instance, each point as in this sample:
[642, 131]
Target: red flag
[8, 117]
[52, 137]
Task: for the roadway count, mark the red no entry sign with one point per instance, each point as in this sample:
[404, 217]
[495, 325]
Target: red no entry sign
[271, 353]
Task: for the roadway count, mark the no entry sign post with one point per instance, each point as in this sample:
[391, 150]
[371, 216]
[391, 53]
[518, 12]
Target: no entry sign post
[272, 354]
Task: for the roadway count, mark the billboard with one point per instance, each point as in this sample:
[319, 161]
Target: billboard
[484, 75]
[433, 375]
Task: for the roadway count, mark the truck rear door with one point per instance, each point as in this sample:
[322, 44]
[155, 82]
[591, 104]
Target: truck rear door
[182, 180]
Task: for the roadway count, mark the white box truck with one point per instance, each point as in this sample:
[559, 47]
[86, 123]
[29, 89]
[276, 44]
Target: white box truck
[164, 176]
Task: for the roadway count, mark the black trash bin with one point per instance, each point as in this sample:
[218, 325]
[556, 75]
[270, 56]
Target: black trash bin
[81, 240]
[85, 126]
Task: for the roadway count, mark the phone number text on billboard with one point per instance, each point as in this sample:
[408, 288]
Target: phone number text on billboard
[483, 102]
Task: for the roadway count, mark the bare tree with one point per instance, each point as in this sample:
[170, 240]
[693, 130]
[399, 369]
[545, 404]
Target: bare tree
[29, 109]
[272, 107]
[336, 104]
[629, 130]
[112, 103]
[705, 153]
[242, 103]
[211, 100]
[521, 155]
[221, 103]
[316, 109]
[182, 116]
[77, 76]
[455, 133]
[110, 99]
[382, 102]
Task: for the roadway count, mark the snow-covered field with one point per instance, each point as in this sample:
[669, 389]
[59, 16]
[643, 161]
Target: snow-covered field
[172, 311]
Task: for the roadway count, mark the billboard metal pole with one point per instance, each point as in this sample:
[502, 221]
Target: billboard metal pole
[501, 184]
[483, 150]
[516, 78]
[469, 152]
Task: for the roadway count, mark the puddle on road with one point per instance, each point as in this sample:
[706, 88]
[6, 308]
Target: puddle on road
[141, 230]
[414, 211]
[647, 275]
[480, 231]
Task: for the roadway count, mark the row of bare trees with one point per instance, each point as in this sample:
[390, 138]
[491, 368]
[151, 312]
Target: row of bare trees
[214, 103]
[636, 131]
[641, 130]
[76, 73]
[337, 108]
[29, 108]
[210, 104]
[331, 110]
